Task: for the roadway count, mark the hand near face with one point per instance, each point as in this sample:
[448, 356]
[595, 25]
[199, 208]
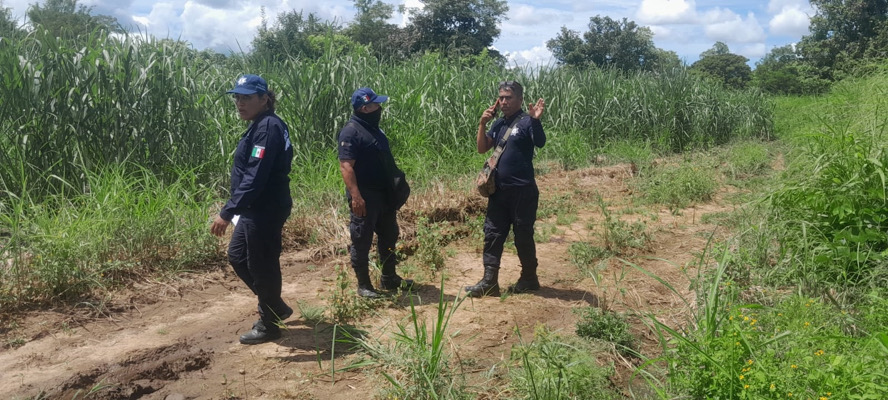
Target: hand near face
[536, 110]
[489, 113]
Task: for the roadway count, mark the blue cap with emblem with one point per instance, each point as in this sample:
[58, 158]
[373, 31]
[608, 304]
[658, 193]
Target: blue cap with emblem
[249, 84]
[364, 96]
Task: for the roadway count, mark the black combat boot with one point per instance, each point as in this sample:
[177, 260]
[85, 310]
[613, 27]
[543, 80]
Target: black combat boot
[527, 282]
[391, 281]
[262, 332]
[279, 311]
[487, 286]
[395, 282]
[365, 287]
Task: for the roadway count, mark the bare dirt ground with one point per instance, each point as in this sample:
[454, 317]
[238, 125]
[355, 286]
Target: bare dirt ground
[177, 339]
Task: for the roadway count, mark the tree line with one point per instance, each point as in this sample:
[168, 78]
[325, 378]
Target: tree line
[847, 37]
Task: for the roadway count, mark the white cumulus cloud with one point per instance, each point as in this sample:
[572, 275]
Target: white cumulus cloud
[791, 21]
[538, 55]
[736, 30]
[666, 11]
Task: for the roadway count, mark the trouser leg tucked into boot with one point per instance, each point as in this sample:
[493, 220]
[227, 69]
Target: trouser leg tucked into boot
[527, 282]
[488, 285]
[390, 280]
[365, 287]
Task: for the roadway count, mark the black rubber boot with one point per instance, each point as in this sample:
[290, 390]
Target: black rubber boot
[365, 287]
[395, 282]
[487, 286]
[262, 332]
[527, 282]
[277, 312]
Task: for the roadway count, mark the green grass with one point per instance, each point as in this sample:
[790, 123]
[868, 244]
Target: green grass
[556, 367]
[793, 306]
[677, 186]
[416, 363]
[73, 112]
[607, 326]
[128, 225]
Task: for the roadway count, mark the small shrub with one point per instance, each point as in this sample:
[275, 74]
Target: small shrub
[311, 313]
[430, 239]
[619, 235]
[554, 367]
[608, 326]
[583, 254]
[345, 304]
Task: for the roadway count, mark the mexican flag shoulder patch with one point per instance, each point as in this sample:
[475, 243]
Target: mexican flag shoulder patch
[258, 152]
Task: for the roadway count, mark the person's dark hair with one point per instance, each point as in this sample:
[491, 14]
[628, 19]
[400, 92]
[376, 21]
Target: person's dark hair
[272, 99]
[512, 86]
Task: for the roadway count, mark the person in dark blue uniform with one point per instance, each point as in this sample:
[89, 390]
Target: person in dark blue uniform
[260, 203]
[513, 205]
[365, 160]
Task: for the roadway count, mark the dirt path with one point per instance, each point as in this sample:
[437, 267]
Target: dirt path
[160, 341]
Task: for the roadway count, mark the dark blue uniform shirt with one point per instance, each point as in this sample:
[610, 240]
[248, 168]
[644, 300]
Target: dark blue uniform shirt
[363, 142]
[515, 166]
[260, 176]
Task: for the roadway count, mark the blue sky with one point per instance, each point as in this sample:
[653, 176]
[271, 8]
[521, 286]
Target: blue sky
[688, 27]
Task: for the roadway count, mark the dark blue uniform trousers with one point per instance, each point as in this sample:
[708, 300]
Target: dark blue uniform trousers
[382, 219]
[255, 254]
[514, 208]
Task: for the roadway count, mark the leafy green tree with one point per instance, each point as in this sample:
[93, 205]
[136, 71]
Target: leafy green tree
[296, 35]
[455, 27]
[67, 18]
[371, 28]
[782, 71]
[371, 22]
[720, 65]
[717, 49]
[666, 60]
[844, 32]
[608, 43]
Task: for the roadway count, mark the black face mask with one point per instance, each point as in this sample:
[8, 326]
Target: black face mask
[371, 118]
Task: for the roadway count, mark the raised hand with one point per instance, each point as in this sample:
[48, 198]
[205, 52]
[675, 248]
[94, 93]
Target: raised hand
[536, 110]
[489, 113]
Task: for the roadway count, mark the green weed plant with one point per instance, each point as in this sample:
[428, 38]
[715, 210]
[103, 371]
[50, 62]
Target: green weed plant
[416, 363]
[677, 186]
[606, 325]
[555, 367]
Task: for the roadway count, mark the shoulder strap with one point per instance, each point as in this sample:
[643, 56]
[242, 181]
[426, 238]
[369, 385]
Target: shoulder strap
[494, 159]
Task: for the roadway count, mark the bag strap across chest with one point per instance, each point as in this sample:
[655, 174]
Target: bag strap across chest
[501, 146]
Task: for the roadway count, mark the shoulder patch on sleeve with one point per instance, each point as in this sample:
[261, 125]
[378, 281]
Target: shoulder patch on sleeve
[258, 152]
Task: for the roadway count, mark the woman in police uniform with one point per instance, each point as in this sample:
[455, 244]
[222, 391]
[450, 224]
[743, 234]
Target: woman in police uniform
[260, 203]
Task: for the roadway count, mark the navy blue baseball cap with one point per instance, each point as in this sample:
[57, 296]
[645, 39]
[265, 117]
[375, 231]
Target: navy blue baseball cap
[364, 96]
[249, 84]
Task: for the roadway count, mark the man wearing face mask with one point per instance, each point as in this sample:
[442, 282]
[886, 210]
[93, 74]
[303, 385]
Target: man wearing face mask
[364, 153]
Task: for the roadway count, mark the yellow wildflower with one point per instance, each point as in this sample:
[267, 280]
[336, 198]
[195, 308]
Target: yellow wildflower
[793, 366]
